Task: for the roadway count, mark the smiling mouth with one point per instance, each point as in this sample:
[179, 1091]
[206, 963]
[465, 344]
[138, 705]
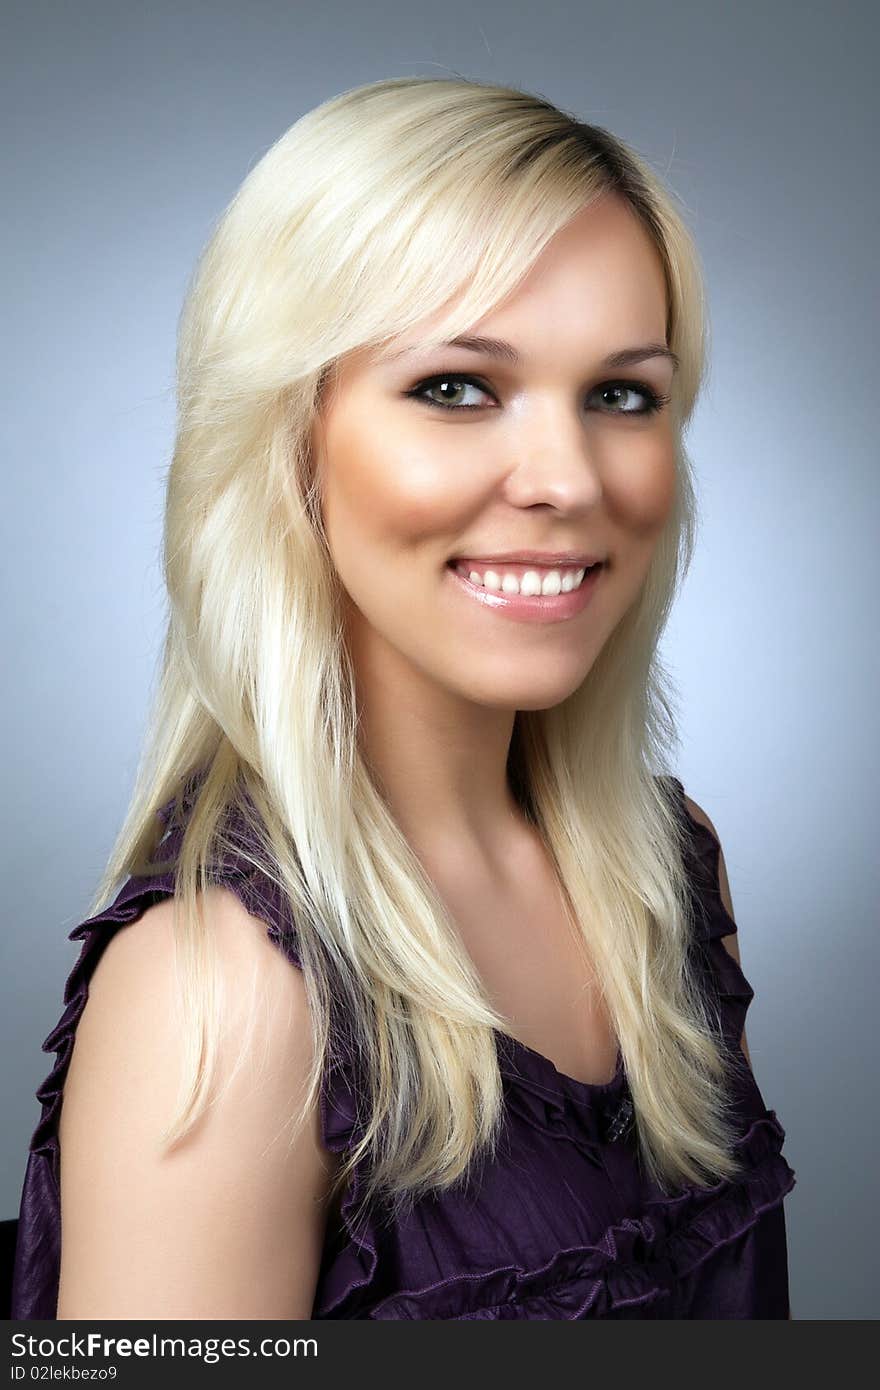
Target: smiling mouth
[533, 581]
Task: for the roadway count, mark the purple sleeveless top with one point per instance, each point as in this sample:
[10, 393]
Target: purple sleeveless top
[562, 1224]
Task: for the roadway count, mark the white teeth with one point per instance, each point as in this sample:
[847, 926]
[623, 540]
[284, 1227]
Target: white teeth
[552, 581]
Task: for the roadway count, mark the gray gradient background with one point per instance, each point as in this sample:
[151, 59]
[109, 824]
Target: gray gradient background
[132, 126]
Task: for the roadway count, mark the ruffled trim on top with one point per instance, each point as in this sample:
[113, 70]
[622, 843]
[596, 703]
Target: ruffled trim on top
[702, 856]
[724, 974]
[136, 895]
[356, 1264]
[354, 1267]
[638, 1262]
[558, 1105]
[637, 1266]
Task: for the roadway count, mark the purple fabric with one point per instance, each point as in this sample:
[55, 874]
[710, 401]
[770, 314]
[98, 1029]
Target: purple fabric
[561, 1225]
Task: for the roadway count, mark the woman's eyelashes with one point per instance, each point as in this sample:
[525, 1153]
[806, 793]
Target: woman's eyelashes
[619, 391]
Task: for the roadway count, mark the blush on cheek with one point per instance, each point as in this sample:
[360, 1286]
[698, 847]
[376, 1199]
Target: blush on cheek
[643, 495]
[427, 501]
[420, 516]
[660, 495]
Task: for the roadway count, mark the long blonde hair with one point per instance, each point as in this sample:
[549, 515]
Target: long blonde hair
[372, 211]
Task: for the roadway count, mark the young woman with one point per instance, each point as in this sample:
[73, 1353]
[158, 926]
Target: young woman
[420, 997]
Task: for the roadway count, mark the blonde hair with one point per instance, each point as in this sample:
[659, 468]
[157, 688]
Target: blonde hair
[372, 211]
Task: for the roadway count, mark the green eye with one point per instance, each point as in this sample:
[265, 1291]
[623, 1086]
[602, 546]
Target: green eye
[440, 382]
[652, 400]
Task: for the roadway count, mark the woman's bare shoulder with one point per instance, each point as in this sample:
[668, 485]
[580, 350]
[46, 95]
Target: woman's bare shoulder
[231, 1222]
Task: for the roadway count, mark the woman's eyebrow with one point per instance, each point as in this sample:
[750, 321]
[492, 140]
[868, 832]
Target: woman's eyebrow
[497, 347]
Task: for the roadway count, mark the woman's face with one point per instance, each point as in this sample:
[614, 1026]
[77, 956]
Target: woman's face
[541, 454]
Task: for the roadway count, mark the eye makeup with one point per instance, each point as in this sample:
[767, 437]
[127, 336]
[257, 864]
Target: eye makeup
[654, 401]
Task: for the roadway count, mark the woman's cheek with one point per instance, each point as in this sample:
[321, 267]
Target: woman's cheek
[641, 489]
[424, 495]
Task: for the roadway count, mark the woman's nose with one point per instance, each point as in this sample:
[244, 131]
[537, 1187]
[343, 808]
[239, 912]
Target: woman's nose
[555, 461]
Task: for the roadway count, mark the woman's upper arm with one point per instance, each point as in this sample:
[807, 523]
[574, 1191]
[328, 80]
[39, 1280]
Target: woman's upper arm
[231, 1223]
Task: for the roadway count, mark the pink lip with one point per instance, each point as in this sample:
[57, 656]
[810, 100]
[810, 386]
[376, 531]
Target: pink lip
[538, 608]
[532, 557]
